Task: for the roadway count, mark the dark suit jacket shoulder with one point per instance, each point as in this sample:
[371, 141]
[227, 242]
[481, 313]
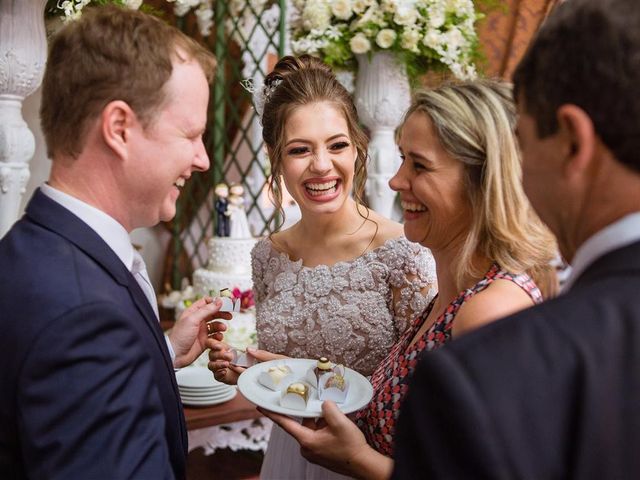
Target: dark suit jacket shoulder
[551, 392]
[87, 385]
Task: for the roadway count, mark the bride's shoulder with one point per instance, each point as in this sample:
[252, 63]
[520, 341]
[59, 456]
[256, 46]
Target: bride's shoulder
[281, 242]
[385, 229]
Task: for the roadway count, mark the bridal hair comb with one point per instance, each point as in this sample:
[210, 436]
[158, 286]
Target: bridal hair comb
[260, 94]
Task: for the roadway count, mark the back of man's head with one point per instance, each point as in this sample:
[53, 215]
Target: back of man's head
[587, 54]
[109, 54]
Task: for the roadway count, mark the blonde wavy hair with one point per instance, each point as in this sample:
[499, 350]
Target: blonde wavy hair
[475, 124]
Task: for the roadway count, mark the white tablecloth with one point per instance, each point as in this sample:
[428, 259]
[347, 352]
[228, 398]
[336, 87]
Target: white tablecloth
[243, 435]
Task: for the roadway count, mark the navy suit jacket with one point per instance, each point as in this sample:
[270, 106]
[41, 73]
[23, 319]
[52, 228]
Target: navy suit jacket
[552, 392]
[87, 388]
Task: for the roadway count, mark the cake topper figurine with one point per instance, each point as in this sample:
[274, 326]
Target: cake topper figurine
[221, 206]
[237, 215]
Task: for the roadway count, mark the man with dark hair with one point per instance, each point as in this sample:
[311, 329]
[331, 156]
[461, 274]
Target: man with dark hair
[87, 383]
[553, 391]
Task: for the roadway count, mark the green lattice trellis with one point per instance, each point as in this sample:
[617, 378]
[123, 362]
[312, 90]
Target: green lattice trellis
[244, 35]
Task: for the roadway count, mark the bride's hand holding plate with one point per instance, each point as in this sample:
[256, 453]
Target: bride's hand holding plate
[221, 357]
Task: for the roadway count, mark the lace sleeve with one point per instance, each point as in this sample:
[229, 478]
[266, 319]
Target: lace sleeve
[413, 283]
[259, 258]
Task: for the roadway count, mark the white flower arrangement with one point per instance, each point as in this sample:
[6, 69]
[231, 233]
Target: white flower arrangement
[203, 9]
[425, 34]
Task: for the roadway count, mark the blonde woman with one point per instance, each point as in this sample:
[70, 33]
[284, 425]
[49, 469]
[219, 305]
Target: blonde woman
[460, 188]
[343, 280]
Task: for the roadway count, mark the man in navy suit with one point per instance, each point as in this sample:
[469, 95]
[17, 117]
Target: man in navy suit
[554, 391]
[87, 384]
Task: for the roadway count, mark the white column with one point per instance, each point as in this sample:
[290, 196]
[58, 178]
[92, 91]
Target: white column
[23, 53]
[382, 96]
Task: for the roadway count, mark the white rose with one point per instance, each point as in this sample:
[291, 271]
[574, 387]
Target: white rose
[409, 40]
[389, 6]
[133, 4]
[406, 15]
[341, 9]
[432, 39]
[359, 44]
[436, 18]
[359, 6]
[316, 14]
[385, 38]
[460, 7]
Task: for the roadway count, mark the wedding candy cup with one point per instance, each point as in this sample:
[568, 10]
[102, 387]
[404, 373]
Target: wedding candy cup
[334, 386]
[241, 358]
[296, 396]
[323, 367]
[274, 377]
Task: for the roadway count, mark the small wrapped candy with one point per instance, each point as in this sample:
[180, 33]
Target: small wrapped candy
[333, 386]
[274, 377]
[323, 367]
[295, 396]
[241, 358]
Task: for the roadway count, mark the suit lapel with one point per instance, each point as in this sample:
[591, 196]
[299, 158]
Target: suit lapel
[619, 261]
[53, 216]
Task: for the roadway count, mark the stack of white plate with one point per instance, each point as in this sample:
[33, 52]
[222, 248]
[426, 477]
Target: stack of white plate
[198, 387]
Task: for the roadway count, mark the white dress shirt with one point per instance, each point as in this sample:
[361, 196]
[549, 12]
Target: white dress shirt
[106, 227]
[614, 236]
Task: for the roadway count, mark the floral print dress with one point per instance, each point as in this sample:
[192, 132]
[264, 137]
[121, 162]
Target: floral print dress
[391, 378]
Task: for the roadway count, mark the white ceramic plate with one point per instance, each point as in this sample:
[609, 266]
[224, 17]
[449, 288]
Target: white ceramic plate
[195, 377]
[222, 393]
[214, 389]
[205, 397]
[202, 402]
[360, 389]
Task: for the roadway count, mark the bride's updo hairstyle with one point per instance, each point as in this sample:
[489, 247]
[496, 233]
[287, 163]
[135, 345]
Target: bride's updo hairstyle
[298, 81]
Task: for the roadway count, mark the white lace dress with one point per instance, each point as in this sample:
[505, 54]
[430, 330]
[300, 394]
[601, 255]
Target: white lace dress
[353, 311]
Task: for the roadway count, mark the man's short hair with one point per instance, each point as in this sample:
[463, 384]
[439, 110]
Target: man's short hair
[110, 53]
[587, 54]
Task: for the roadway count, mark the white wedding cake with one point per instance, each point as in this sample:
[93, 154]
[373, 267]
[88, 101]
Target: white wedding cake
[229, 266]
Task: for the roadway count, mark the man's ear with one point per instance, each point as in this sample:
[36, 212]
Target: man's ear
[578, 139]
[117, 122]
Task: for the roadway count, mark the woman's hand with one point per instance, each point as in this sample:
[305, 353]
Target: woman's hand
[221, 357]
[336, 443]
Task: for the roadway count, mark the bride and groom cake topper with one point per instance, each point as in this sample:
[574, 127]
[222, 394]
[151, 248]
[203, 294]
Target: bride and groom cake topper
[231, 219]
